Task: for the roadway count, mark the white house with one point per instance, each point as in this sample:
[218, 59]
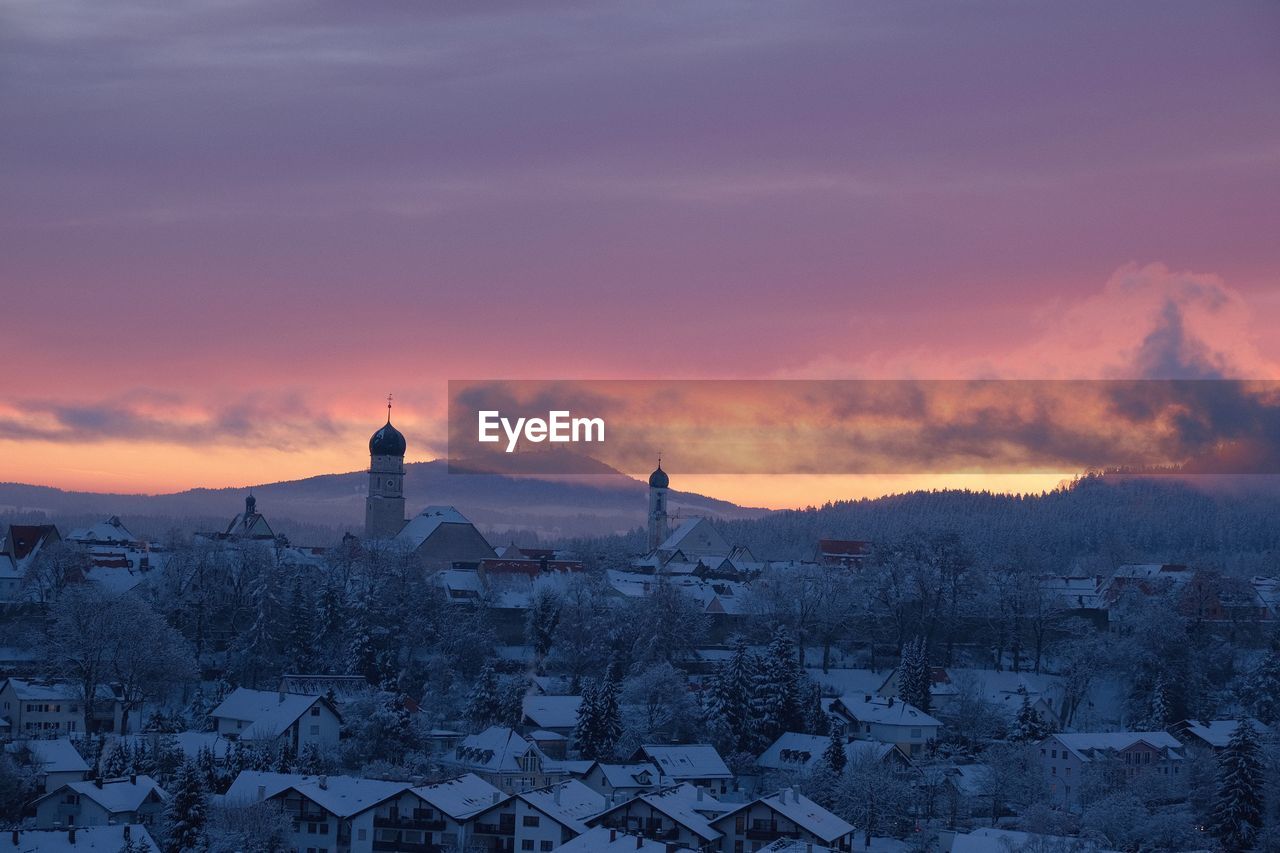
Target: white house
[132, 799]
[887, 720]
[1114, 755]
[442, 814]
[617, 782]
[786, 814]
[80, 839]
[41, 709]
[604, 840]
[696, 763]
[326, 812]
[55, 762]
[292, 719]
[802, 753]
[681, 815]
[504, 759]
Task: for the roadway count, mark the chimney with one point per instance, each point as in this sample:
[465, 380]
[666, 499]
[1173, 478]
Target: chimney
[866, 697]
[890, 705]
[613, 836]
[15, 838]
[496, 796]
[262, 793]
[700, 792]
[323, 782]
[557, 794]
[639, 842]
[133, 778]
[97, 781]
[71, 835]
[280, 696]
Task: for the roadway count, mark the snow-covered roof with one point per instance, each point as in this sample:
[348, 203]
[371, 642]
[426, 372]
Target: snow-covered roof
[109, 531]
[885, 712]
[462, 797]
[803, 812]
[990, 840]
[461, 583]
[552, 712]
[497, 749]
[268, 713]
[1084, 745]
[568, 803]
[190, 743]
[687, 761]
[89, 839]
[58, 691]
[603, 840]
[629, 775]
[1217, 733]
[342, 796]
[53, 756]
[419, 528]
[116, 796]
[343, 688]
[691, 807]
[798, 751]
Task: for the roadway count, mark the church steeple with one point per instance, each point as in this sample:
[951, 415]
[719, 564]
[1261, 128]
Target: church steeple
[384, 507]
[658, 484]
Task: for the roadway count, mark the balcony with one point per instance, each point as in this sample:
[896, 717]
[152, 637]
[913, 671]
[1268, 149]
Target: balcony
[769, 832]
[403, 847]
[408, 823]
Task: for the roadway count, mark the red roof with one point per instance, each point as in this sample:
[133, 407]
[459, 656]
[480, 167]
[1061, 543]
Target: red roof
[843, 547]
[531, 568]
[23, 538]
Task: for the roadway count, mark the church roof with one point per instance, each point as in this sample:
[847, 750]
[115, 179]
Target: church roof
[387, 441]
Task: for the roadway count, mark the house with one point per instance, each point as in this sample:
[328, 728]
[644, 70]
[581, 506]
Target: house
[680, 815]
[558, 714]
[24, 542]
[841, 553]
[80, 839]
[39, 709]
[1210, 736]
[131, 799]
[1002, 689]
[617, 782]
[695, 537]
[887, 720]
[325, 812]
[696, 763]
[294, 720]
[1067, 757]
[55, 762]
[441, 814]
[440, 536]
[540, 819]
[786, 814]
[504, 759]
[794, 752]
[603, 840]
[110, 533]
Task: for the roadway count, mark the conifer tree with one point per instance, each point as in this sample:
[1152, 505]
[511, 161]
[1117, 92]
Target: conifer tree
[726, 708]
[1237, 807]
[1028, 727]
[834, 756]
[116, 761]
[775, 698]
[914, 677]
[484, 707]
[300, 629]
[1159, 711]
[1263, 689]
[599, 725]
[187, 813]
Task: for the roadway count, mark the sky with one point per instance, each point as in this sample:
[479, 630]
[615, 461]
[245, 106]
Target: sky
[229, 229]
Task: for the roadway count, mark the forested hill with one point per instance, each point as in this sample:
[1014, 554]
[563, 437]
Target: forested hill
[1092, 525]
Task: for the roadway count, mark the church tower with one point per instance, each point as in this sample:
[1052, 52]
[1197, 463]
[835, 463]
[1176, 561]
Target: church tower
[384, 508]
[658, 483]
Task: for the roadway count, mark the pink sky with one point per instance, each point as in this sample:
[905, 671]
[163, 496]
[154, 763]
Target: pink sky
[227, 230]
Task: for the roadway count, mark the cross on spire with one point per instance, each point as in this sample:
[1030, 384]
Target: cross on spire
[388, 408]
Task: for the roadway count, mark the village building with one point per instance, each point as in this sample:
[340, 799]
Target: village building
[131, 799]
[55, 761]
[887, 720]
[1068, 758]
[679, 815]
[291, 720]
[504, 759]
[785, 814]
[43, 709]
[696, 763]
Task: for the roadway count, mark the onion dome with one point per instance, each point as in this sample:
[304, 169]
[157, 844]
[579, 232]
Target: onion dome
[659, 479]
[387, 441]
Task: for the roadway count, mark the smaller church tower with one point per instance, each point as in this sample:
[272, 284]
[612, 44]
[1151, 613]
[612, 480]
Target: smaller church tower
[384, 508]
[658, 483]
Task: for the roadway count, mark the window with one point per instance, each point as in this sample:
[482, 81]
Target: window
[527, 844]
[360, 833]
[315, 712]
[530, 820]
[324, 828]
[546, 845]
[915, 733]
[315, 730]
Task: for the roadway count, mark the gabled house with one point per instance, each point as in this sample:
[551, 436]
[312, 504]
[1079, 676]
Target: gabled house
[693, 538]
[696, 763]
[294, 720]
[541, 819]
[55, 762]
[440, 815]
[505, 760]
[603, 840]
[325, 812]
[618, 782]
[887, 720]
[786, 814]
[557, 714]
[132, 799]
[81, 839]
[1110, 756]
[795, 752]
[1210, 736]
[680, 815]
[440, 536]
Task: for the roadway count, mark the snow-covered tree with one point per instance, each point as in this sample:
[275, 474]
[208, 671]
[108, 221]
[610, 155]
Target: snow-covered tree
[599, 724]
[540, 624]
[187, 814]
[1028, 727]
[914, 676]
[776, 692]
[1237, 808]
[484, 705]
[1262, 689]
[834, 755]
[726, 707]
